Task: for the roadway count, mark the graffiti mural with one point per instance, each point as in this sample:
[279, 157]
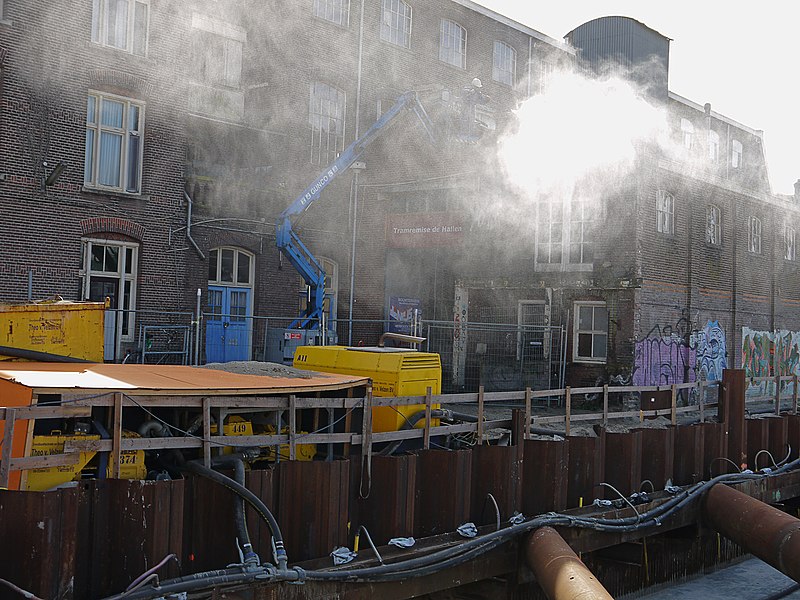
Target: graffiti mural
[664, 357]
[663, 361]
[712, 355]
[769, 353]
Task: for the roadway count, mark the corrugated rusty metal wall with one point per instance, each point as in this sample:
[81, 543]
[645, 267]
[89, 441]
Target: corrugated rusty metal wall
[94, 539]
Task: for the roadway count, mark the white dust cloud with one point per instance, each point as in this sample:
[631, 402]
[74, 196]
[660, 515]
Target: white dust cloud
[580, 128]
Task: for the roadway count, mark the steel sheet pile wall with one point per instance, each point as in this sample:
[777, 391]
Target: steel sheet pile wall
[95, 538]
[389, 508]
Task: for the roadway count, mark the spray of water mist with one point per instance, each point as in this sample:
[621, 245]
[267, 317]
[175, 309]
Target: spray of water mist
[582, 132]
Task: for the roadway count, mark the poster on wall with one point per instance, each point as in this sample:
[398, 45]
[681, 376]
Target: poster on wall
[402, 314]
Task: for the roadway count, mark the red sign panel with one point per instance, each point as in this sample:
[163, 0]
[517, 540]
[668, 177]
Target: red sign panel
[424, 230]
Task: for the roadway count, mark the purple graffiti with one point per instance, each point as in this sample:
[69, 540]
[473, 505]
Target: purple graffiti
[663, 361]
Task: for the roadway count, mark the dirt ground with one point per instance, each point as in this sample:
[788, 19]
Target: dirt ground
[252, 367]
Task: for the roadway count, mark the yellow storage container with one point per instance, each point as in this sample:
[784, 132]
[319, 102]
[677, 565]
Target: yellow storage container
[65, 328]
[44, 445]
[394, 372]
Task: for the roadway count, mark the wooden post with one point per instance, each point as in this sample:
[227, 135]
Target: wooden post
[673, 415]
[794, 394]
[701, 402]
[5, 457]
[292, 428]
[348, 423]
[527, 431]
[366, 425]
[366, 445]
[778, 394]
[568, 406]
[480, 415]
[207, 432]
[426, 438]
[605, 405]
[116, 436]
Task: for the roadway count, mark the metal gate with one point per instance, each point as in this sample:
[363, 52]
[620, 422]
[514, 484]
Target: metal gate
[499, 357]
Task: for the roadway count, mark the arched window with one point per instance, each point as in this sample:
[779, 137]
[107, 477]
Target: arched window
[665, 212]
[713, 225]
[396, 23]
[754, 235]
[335, 11]
[326, 115]
[790, 250]
[453, 44]
[504, 63]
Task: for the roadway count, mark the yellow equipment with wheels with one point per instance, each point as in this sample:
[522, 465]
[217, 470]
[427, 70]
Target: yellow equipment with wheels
[394, 372]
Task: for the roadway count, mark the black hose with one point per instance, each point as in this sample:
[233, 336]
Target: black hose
[238, 505]
[454, 555]
[261, 509]
[40, 356]
[409, 423]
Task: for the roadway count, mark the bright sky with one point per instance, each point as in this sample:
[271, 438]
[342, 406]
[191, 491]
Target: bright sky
[742, 57]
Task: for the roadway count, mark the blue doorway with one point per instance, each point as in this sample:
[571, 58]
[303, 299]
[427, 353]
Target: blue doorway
[228, 324]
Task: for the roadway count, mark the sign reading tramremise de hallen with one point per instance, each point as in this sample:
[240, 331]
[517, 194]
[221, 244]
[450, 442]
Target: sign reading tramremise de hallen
[424, 230]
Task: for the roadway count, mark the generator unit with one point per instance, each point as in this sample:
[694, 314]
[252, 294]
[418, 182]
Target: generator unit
[394, 372]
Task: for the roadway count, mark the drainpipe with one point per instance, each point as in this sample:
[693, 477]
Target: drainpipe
[354, 187]
[189, 237]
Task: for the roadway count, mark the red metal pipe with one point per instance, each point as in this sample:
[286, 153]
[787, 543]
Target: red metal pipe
[761, 529]
[559, 571]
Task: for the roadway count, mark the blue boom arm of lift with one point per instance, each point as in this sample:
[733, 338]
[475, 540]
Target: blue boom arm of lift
[288, 241]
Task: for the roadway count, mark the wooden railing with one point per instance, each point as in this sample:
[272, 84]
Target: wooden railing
[217, 408]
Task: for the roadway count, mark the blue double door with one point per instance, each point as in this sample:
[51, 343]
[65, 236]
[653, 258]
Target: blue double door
[229, 325]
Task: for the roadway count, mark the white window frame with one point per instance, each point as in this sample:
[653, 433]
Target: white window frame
[132, 143]
[754, 233]
[594, 331]
[237, 253]
[453, 44]
[713, 146]
[335, 11]
[555, 254]
[327, 112]
[789, 245]
[665, 212]
[687, 133]
[396, 22]
[218, 59]
[504, 63]
[101, 31]
[121, 273]
[713, 225]
[736, 154]
[331, 301]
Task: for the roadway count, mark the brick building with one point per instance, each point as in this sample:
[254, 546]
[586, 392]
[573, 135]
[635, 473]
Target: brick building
[148, 150]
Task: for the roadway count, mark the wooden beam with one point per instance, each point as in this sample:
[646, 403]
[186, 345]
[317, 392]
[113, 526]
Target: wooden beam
[116, 436]
[5, 456]
[207, 432]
